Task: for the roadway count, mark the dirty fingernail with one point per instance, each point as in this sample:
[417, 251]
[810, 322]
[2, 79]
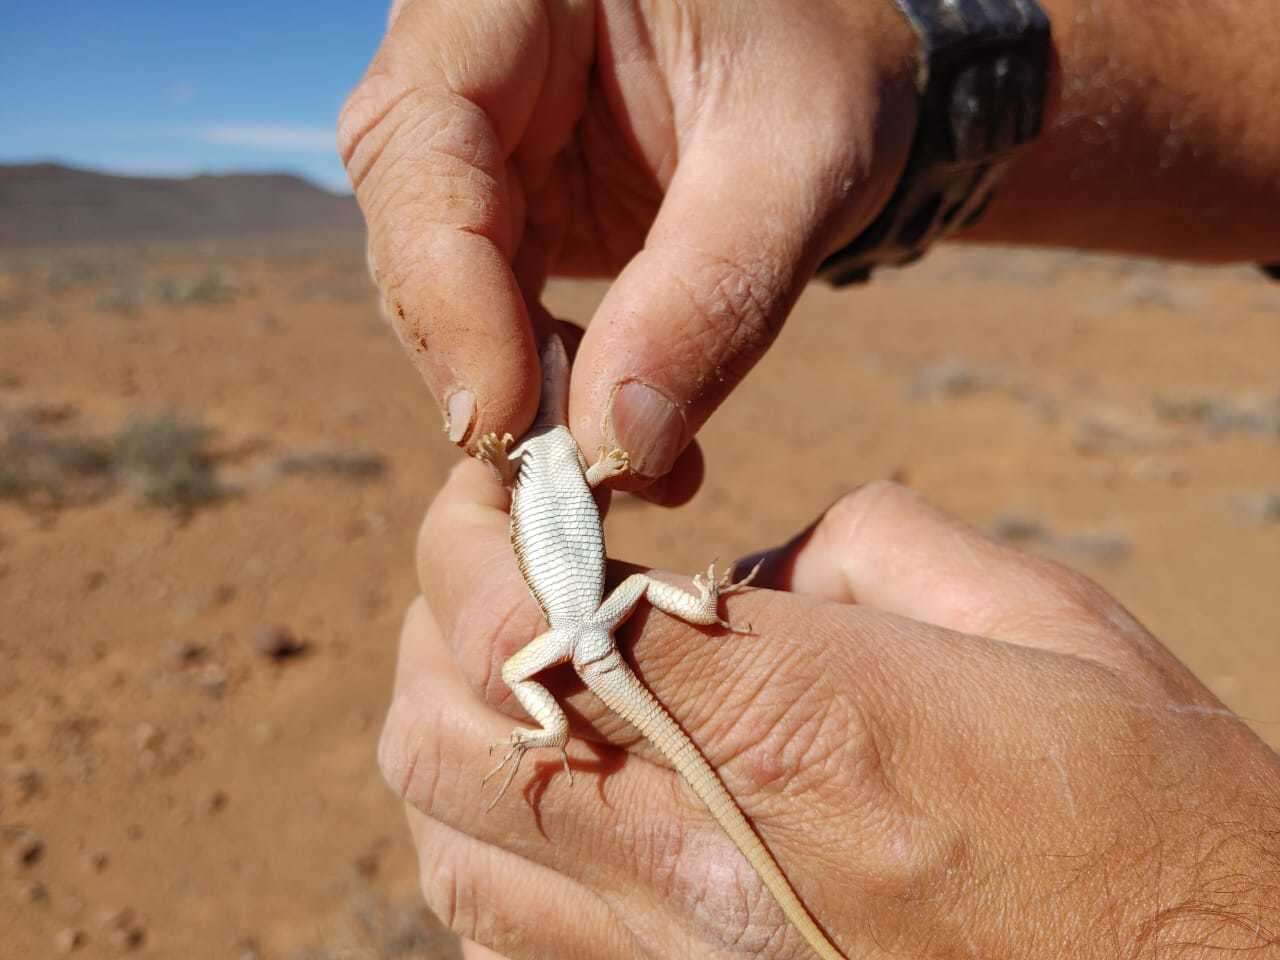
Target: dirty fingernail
[460, 411]
[648, 426]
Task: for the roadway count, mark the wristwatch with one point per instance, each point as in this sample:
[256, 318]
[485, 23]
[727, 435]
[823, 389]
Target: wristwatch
[981, 82]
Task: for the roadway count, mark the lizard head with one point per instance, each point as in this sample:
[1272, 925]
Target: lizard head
[553, 404]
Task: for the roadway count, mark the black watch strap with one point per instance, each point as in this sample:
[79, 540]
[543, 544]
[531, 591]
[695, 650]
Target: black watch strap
[982, 82]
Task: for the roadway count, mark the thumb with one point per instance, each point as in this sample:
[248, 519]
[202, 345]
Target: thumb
[740, 232]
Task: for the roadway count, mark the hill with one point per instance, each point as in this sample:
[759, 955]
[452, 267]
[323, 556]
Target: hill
[46, 204]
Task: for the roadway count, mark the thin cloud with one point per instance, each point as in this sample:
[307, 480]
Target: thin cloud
[270, 137]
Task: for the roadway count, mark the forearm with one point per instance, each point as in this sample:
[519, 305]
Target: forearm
[1162, 135]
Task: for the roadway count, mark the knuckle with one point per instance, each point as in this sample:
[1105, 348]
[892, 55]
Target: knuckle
[450, 891]
[844, 519]
[740, 299]
[397, 752]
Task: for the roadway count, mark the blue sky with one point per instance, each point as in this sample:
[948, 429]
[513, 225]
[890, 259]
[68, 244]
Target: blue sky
[184, 86]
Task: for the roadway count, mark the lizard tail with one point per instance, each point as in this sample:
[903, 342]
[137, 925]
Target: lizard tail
[625, 695]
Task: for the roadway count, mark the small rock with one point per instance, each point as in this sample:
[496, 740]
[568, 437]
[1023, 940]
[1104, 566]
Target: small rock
[123, 928]
[26, 781]
[147, 737]
[69, 940]
[214, 802]
[110, 919]
[186, 651]
[128, 938]
[35, 893]
[97, 860]
[27, 848]
[212, 679]
[93, 580]
[278, 643]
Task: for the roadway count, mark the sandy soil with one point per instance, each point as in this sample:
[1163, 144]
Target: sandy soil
[173, 783]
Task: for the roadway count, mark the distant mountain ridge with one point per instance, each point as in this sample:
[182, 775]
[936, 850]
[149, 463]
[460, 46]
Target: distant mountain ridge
[47, 204]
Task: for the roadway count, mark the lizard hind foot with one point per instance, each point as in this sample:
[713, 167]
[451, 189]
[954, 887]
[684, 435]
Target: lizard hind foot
[517, 747]
[711, 587]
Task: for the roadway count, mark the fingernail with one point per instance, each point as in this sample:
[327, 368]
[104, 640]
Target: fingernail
[648, 426]
[460, 411]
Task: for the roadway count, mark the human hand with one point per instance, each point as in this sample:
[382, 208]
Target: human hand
[707, 156]
[952, 749]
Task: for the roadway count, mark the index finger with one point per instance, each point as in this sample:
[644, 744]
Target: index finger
[428, 139]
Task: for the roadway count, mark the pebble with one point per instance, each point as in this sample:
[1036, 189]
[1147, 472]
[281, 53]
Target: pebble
[123, 928]
[185, 651]
[212, 679]
[69, 940]
[278, 643]
[147, 737]
[97, 860]
[35, 893]
[27, 848]
[214, 802]
[26, 780]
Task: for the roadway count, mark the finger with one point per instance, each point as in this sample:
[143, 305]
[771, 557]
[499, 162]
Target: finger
[428, 140]
[678, 486]
[885, 547]
[506, 907]
[690, 314]
[635, 836]
[681, 483]
[467, 569]
[760, 193]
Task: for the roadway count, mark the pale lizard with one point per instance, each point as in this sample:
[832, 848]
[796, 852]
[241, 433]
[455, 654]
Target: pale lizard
[558, 539]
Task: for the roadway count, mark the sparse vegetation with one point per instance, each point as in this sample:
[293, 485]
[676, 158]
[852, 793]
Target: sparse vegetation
[164, 458]
[1097, 547]
[1262, 509]
[352, 465]
[168, 460]
[213, 286]
[1220, 415]
[42, 469]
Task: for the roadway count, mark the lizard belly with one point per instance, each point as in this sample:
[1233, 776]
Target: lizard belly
[558, 540]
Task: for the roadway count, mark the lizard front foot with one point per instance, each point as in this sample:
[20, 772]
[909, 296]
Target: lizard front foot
[521, 742]
[610, 463]
[495, 451]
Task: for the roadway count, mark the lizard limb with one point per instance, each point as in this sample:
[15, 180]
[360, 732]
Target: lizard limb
[702, 610]
[545, 650]
[609, 464]
[496, 451]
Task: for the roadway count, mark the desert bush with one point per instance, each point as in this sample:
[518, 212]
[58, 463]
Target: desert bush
[168, 461]
[212, 286]
[43, 469]
[352, 465]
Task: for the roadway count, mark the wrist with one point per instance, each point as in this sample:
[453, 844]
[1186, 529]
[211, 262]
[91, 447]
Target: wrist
[980, 89]
[1161, 136]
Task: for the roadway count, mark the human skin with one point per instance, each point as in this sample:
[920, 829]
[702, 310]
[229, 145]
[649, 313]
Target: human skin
[953, 749]
[708, 155]
[981, 756]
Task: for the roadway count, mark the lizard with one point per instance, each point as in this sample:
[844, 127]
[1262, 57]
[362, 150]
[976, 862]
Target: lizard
[558, 538]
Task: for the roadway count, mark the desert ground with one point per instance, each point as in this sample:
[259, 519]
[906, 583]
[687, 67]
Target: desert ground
[213, 461]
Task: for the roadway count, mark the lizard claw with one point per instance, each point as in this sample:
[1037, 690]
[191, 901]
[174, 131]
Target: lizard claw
[495, 451]
[610, 462]
[515, 753]
[711, 587]
[727, 585]
[518, 746]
